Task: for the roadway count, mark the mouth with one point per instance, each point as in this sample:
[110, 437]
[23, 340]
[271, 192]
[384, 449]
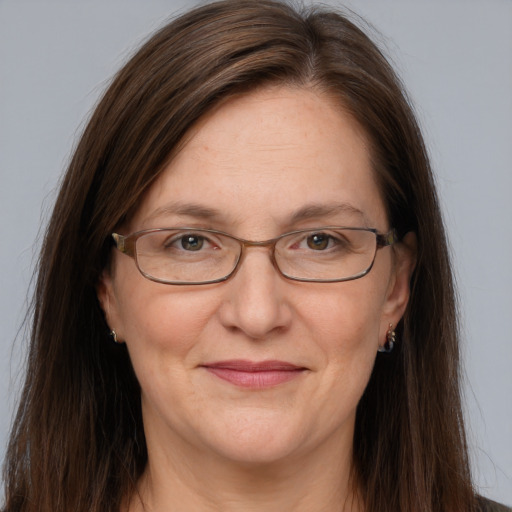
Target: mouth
[254, 374]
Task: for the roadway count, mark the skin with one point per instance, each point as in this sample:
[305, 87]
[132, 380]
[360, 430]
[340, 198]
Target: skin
[212, 445]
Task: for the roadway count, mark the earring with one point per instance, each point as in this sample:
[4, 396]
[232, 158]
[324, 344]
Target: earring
[114, 336]
[390, 341]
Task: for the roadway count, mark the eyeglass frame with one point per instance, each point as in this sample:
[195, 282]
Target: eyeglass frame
[126, 244]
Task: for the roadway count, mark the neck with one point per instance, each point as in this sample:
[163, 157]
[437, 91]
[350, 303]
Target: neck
[320, 481]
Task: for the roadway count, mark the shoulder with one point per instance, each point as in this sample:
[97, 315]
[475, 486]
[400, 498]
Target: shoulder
[486, 505]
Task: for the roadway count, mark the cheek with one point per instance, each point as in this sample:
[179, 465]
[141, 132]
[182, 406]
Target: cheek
[157, 320]
[164, 336]
[345, 322]
[165, 323]
[346, 317]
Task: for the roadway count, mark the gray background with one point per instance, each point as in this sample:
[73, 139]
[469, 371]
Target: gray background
[456, 59]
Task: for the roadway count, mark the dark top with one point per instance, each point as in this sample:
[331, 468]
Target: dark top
[492, 506]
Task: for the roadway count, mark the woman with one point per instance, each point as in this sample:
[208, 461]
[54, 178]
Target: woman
[236, 291]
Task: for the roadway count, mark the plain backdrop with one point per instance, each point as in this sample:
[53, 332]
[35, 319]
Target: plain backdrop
[456, 60]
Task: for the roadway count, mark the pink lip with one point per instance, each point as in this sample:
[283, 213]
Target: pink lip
[257, 375]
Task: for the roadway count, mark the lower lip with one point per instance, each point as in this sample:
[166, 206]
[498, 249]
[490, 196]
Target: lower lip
[256, 379]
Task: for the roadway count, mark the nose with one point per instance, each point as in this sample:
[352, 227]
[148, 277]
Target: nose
[256, 301]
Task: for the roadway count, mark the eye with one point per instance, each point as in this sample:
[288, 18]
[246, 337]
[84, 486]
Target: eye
[187, 242]
[318, 241]
[191, 242]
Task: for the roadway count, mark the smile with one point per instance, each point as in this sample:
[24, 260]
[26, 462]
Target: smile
[256, 375]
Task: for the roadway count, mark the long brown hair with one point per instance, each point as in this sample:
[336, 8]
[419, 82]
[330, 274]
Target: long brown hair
[77, 442]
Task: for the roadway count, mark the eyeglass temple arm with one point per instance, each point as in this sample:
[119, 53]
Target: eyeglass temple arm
[125, 244]
[385, 239]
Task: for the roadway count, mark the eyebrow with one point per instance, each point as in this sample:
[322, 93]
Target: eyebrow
[306, 212]
[185, 210]
[313, 210]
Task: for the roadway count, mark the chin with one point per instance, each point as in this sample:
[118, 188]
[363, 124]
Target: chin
[257, 441]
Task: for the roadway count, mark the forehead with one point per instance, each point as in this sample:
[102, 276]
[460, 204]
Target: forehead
[260, 157]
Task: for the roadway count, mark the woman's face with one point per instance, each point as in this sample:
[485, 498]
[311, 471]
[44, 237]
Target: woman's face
[262, 164]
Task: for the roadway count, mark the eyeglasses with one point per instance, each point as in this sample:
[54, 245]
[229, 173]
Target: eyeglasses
[189, 256]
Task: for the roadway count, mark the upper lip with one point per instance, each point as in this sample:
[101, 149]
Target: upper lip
[243, 365]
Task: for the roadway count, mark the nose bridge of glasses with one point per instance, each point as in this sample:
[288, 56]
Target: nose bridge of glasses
[270, 244]
[259, 243]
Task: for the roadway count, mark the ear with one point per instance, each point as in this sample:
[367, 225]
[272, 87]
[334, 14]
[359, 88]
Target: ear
[105, 292]
[399, 289]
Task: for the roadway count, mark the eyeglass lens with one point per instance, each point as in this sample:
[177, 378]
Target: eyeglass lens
[199, 256]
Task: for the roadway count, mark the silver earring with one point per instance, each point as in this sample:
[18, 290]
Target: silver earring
[390, 341]
[114, 336]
